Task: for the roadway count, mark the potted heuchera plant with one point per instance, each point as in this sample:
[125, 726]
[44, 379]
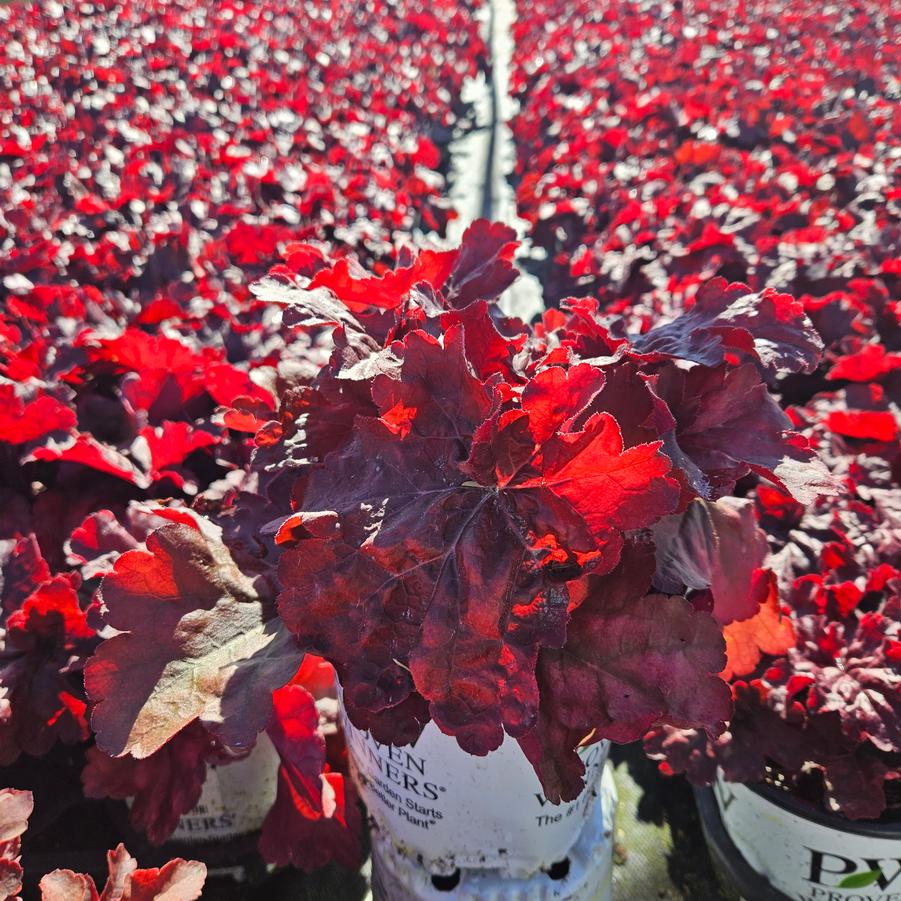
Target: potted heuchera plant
[806, 799]
[197, 638]
[103, 442]
[470, 542]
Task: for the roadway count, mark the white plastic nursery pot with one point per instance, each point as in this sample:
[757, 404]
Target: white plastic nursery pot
[585, 874]
[773, 846]
[222, 828]
[450, 810]
[234, 800]
[235, 797]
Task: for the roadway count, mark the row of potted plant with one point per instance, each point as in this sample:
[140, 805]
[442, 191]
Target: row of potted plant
[659, 144]
[165, 151]
[154, 158]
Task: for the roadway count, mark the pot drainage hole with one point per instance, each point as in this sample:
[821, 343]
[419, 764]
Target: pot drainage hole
[558, 870]
[446, 883]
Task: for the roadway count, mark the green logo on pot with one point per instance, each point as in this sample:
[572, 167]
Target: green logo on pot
[860, 880]
[840, 872]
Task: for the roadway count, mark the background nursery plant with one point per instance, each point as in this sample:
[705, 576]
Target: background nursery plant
[818, 711]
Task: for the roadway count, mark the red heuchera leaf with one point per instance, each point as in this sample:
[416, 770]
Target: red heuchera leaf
[102, 538]
[631, 660]
[247, 415]
[166, 370]
[768, 631]
[868, 364]
[198, 642]
[98, 542]
[15, 809]
[480, 269]
[875, 425]
[358, 290]
[170, 443]
[488, 351]
[178, 880]
[315, 818]
[44, 640]
[717, 547]
[777, 506]
[84, 450]
[164, 786]
[419, 568]
[225, 383]
[732, 320]
[22, 422]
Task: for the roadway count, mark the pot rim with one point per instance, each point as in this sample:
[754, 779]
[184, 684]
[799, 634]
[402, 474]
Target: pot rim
[727, 859]
[835, 821]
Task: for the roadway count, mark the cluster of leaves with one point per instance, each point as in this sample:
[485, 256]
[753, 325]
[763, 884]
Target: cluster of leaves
[660, 144]
[178, 880]
[817, 693]
[114, 437]
[477, 502]
[154, 159]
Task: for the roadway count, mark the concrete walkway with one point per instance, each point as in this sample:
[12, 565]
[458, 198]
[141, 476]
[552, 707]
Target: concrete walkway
[483, 158]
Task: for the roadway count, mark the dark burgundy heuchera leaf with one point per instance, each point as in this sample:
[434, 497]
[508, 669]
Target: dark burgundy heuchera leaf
[22, 568]
[733, 321]
[755, 731]
[316, 818]
[729, 425]
[177, 880]
[631, 660]
[164, 786]
[435, 545]
[717, 547]
[198, 641]
[483, 268]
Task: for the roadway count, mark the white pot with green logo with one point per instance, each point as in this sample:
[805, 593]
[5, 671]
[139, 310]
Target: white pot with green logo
[440, 812]
[807, 854]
